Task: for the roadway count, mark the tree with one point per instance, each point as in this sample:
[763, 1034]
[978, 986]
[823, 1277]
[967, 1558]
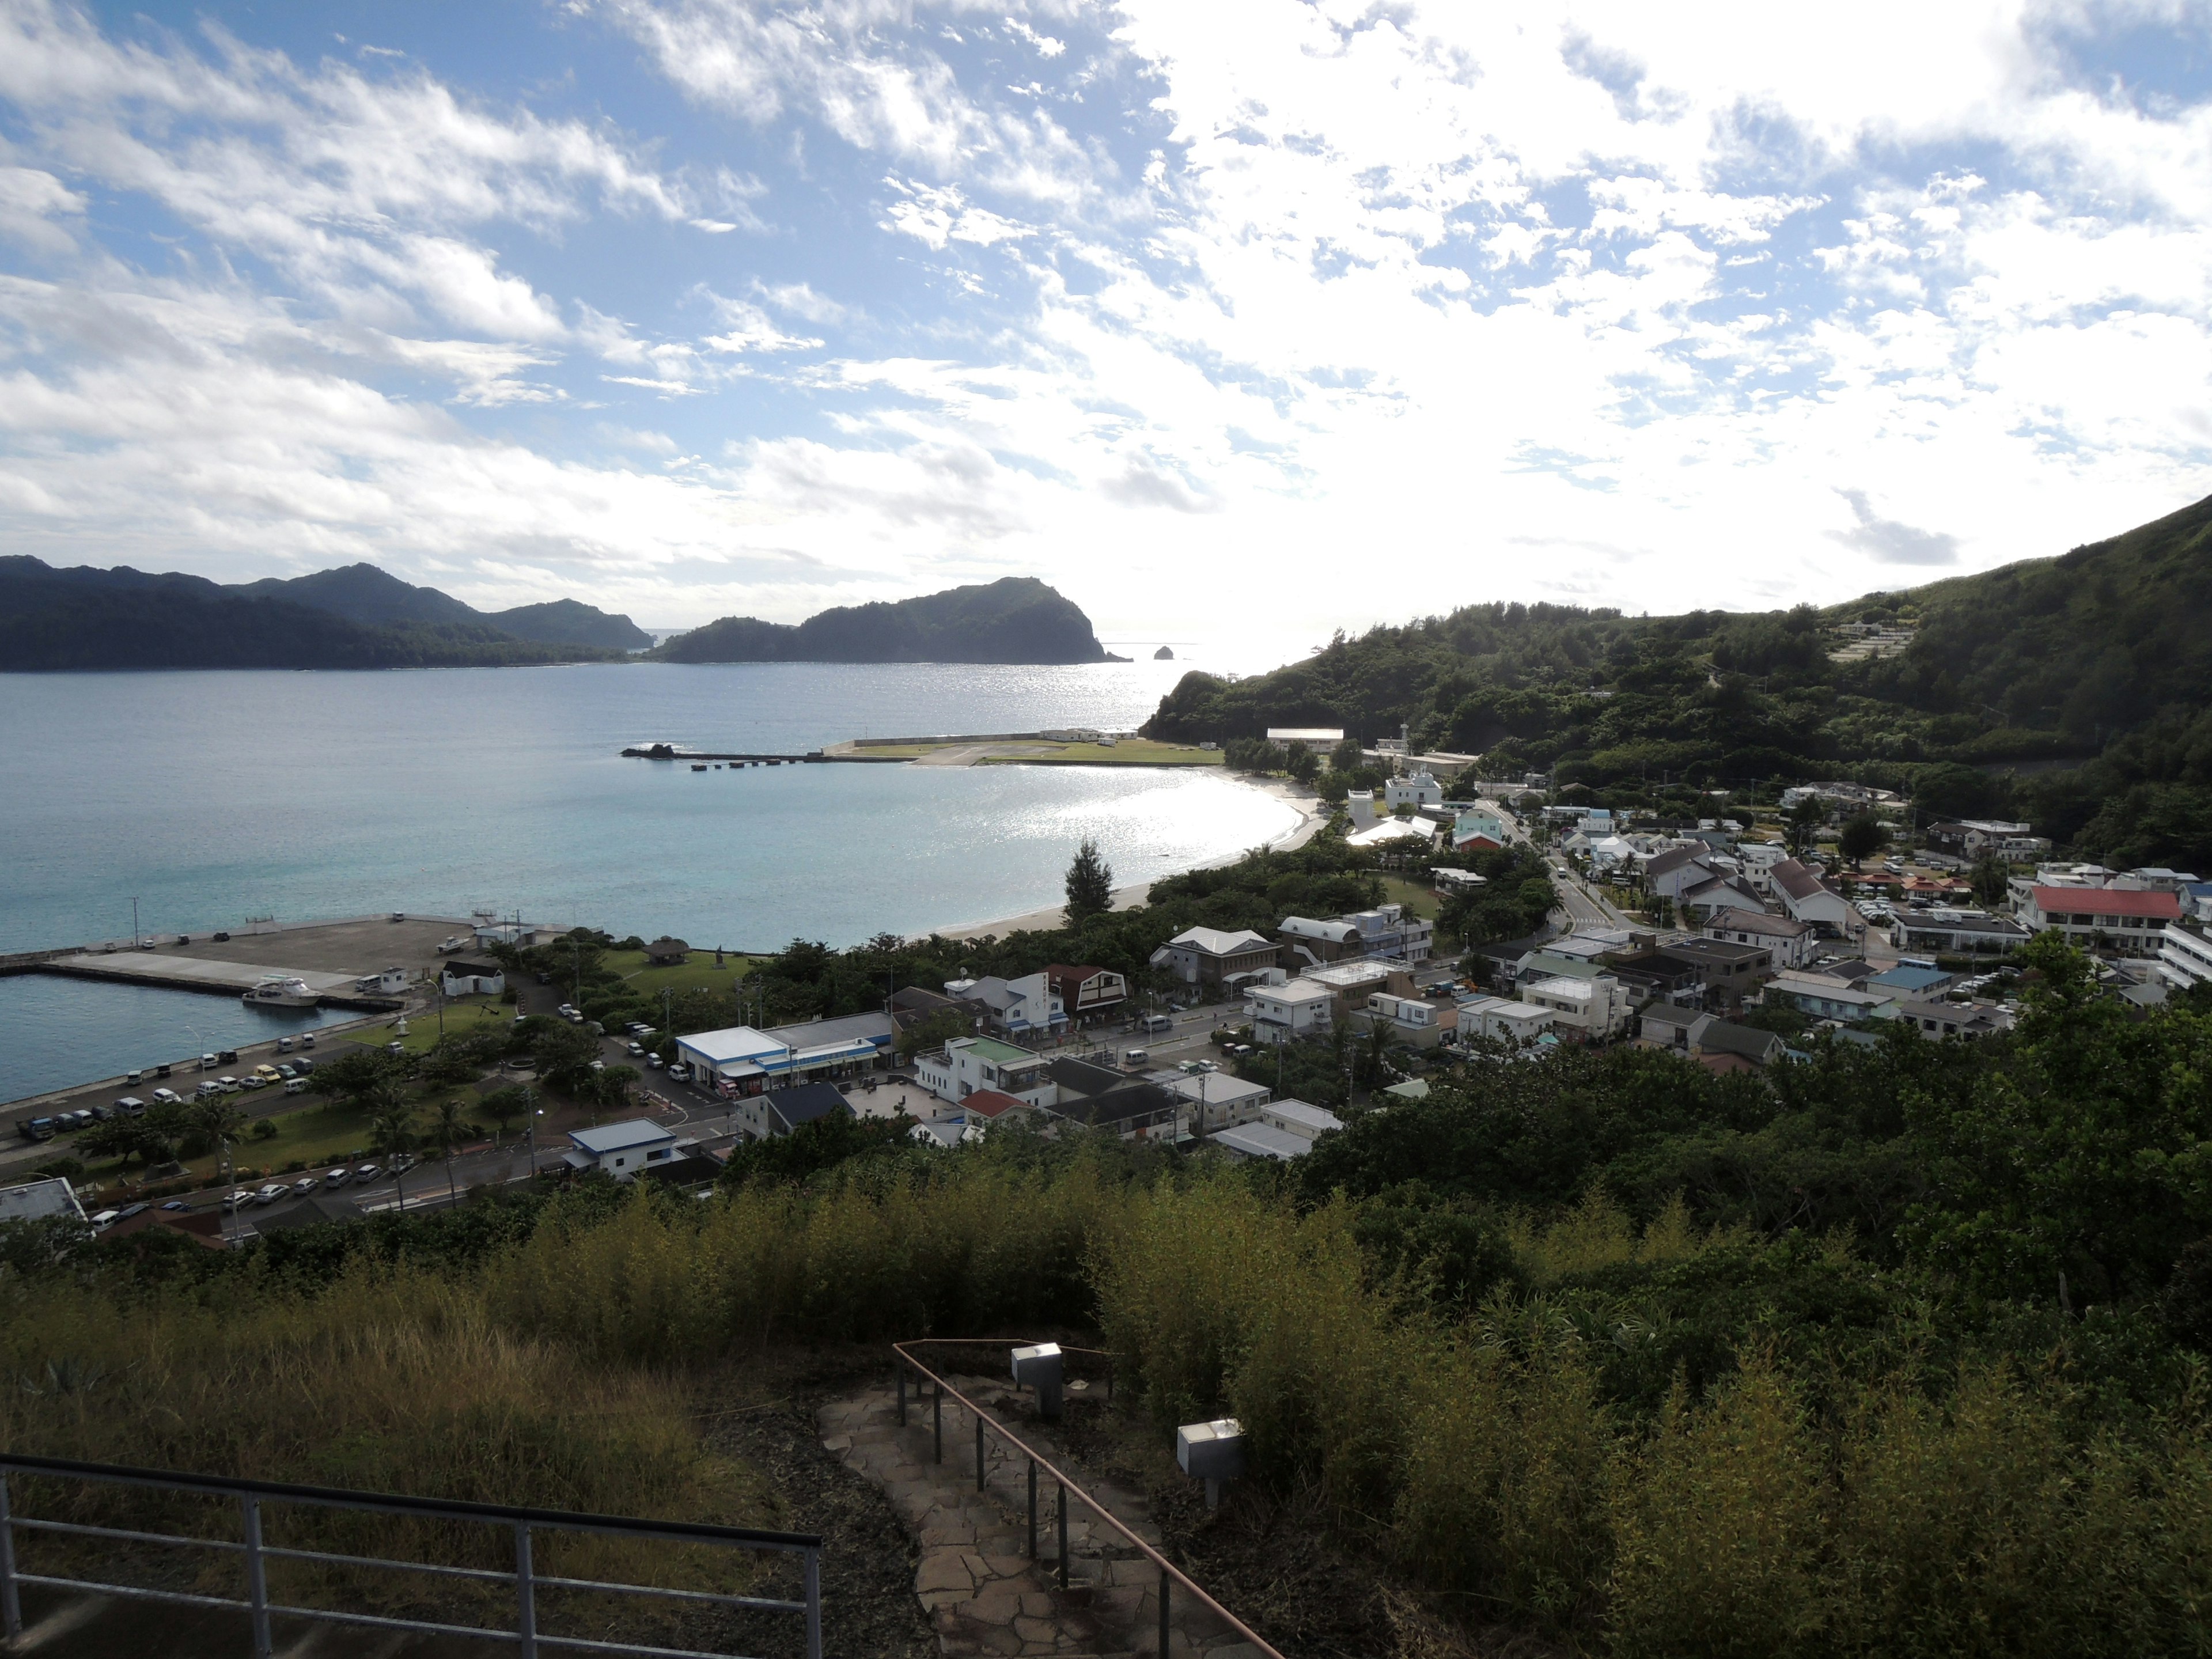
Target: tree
[1991, 874]
[1862, 838]
[392, 1133]
[1090, 884]
[1301, 762]
[934, 1032]
[448, 1130]
[353, 1078]
[503, 1106]
[1802, 827]
[1346, 757]
[217, 1119]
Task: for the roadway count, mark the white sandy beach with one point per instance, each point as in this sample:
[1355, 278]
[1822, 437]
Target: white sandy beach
[1312, 815]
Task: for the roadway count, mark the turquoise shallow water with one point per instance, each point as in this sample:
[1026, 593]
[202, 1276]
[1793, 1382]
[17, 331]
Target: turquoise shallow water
[212, 797]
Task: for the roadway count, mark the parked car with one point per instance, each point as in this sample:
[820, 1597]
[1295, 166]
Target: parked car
[307, 1041]
[268, 1074]
[36, 1128]
[209, 1063]
[238, 1200]
[655, 1063]
[337, 1177]
[220, 938]
[637, 1048]
[304, 1067]
[271, 1193]
[208, 1090]
[228, 1084]
[284, 1045]
[286, 1070]
[679, 1072]
[176, 1205]
[304, 1185]
[367, 1172]
[295, 1086]
[252, 1081]
[130, 1210]
[107, 1218]
[131, 1105]
[162, 1097]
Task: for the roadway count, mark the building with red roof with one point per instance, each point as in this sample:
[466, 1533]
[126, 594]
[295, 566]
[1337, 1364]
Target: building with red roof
[2129, 919]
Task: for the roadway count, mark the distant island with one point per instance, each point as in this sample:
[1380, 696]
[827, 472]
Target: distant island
[358, 617]
[1016, 619]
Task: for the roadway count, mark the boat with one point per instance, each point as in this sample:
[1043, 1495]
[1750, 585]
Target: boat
[281, 991]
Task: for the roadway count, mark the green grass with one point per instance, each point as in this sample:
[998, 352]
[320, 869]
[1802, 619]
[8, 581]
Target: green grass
[699, 973]
[1130, 751]
[463, 1015]
[1417, 897]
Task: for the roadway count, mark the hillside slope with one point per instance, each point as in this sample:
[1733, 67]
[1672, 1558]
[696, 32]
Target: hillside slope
[84, 618]
[1017, 619]
[2058, 689]
[365, 593]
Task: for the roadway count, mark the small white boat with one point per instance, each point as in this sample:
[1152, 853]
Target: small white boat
[280, 991]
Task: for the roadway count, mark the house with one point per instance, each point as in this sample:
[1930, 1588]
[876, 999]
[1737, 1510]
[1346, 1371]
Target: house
[1414, 1021]
[1394, 833]
[1477, 831]
[1134, 1109]
[1667, 874]
[2131, 922]
[1788, 943]
[1969, 838]
[1909, 980]
[1414, 1088]
[1282, 1012]
[2184, 955]
[1611, 853]
[738, 1060]
[1296, 1117]
[1808, 898]
[1722, 1038]
[1937, 1020]
[1218, 1101]
[1086, 994]
[316, 1209]
[1756, 860]
[1251, 1141]
[779, 1111]
[1208, 956]
[1947, 932]
[1352, 982]
[1583, 954]
[1503, 1020]
[1307, 943]
[457, 978]
[40, 1201]
[912, 1006]
[203, 1227]
[967, 1064]
[666, 952]
[1667, 1026]
[1825, 998]
[1727, 971]
[1596, 1008]
[1708, 898]
[620, 1150]
[1447, 881]
[1013, 1005]
[1417, 789]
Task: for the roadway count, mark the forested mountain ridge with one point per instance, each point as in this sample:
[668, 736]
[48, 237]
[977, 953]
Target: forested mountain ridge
[1016, 619]
[364, 594]
[2076, 691]
[84, 618]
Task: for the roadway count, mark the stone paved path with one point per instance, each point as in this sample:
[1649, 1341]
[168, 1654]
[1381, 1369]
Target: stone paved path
[974, 1578]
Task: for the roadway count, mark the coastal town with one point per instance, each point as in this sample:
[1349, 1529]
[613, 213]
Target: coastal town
[1834, 913]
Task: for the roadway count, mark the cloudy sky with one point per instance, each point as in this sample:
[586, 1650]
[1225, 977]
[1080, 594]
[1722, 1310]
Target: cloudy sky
[1249, 317]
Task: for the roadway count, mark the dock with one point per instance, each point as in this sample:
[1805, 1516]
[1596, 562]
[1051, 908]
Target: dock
[699, 757]
[175, 973]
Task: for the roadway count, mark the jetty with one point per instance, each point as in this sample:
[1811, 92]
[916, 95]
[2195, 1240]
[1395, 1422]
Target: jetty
[700, 757]
[178, 973]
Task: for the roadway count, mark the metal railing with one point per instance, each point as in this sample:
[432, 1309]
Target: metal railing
[525, 1579]
[1171, 1575]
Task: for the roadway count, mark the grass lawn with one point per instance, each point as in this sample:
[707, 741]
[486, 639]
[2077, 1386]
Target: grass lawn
[1130, 751]
[1417, 897]
[463, 1015]
[699, 973]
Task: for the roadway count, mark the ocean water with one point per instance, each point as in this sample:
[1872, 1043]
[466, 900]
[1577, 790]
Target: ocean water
[212, 797]
[55, 1032]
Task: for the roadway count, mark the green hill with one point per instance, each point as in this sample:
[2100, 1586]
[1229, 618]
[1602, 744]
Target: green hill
[2074, 691]
[364, 594]
[1017, 619]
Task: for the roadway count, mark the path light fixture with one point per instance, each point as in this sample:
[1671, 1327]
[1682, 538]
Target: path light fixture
[1039, 1368]
[1211, 1452]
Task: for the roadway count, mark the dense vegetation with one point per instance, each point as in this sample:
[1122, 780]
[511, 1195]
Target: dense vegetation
[1016, 619]
[84, 618]
[2098, 661]
[363, 593]
[1900, 1352]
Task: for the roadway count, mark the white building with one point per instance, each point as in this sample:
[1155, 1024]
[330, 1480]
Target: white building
[1218, 1101]
[1416, 1023]
[1281, 1012]
[1597, 1007]
[1251, 1141]
[738, 1057]
[38, 1200]
[2132, 921]
[1807, 898]
[1416, 789]
[1498, 1017]
[1790, 942]
[621, 1149]
[2184, 955]
[967, 1064]
[1207, 955]
[1027, 1003]
[1296, 1117]
[457, 978]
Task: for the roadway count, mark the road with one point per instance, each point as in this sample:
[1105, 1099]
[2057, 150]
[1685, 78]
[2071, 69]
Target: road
[1584, 909]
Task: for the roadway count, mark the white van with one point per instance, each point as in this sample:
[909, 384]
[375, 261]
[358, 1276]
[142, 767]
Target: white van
[297, 1085]
[1136, 1057]
[1156, 1023]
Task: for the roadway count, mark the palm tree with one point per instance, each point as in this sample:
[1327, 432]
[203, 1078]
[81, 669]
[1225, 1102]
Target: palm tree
[447, 1131]
[392, 1131]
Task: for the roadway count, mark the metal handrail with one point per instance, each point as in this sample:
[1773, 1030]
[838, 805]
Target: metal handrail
[1169, 1571]
[251, 1494]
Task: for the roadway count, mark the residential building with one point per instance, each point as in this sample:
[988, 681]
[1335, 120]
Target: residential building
[1668, 873]
[1947, 930]
[1387, 832]
[740, 1060]
[1414, 1021]
[912, 1006]
[1788, 943]
[1352, 982]
[40, 1201]
[1668, 1026]
[779, 1111]
[2132, 922]
[1938, 1020]
[1477, 831]
[1393, 931]
[620, 1150]
[1135, 1109]
[1611, 852]
[1296, 1117]
[1578, 955]
[1969, 838]
[1218, 1100]
[967, 1064]
[1909, 981]
[1210, 957]
[1307, 943]
[1415, 789]
[457, 978]
[1283, 1012]
[1722, 1039]
[1806, 898]
[1015, 1006]
[1727, 971]
[1596, 1008]
[1825, 997]
[1697, 905]
[1085, 994]
[1500, 1019]
[2184, 955]
[1264, 1140]
[1448, 881]
[1756, 860]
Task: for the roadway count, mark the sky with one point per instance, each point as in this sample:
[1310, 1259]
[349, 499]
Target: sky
[1252, 319]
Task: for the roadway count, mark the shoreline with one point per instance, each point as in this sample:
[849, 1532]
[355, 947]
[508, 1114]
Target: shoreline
[1311, 816]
